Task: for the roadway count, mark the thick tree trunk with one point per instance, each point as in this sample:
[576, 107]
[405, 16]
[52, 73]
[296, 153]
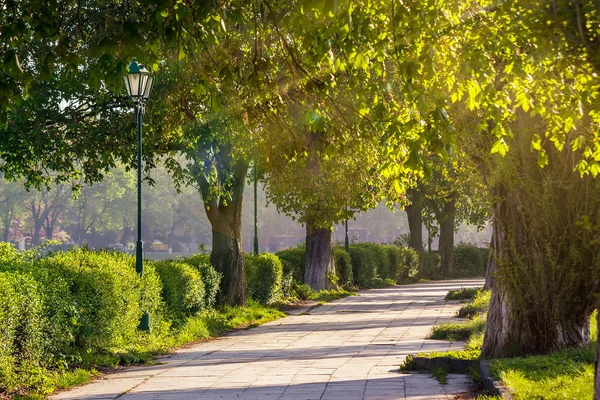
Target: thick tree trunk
[319, 261]
[597, 368]
[415, 220]
[225, 218]
[525, 315]
[36, 237]
[227, 255]
[491, 265]
[446, 242]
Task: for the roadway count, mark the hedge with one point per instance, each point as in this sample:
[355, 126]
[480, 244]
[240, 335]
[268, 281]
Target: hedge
[82, 303]
[210, 277]
[292, 261]
[469, 261]
[429, 265]
[364, 265]
[343, 266]
[264, 275]
[182, 287]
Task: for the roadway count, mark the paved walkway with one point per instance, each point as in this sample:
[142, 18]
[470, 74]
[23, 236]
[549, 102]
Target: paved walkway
[344, 350]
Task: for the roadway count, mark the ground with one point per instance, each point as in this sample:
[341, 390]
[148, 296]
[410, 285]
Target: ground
[347, 349]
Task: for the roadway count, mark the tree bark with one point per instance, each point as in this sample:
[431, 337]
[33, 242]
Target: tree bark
[526, 315]
[225, 217]
[227, 255]
[597, 361]
[446, 242]
[415, 220]
[319, 260]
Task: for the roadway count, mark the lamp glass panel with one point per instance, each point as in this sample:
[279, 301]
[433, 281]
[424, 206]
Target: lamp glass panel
[148, 88]
[134, 84]
[143, 79]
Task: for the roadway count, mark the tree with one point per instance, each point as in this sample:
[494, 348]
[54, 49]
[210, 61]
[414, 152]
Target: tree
[12, 196]
[46, 209]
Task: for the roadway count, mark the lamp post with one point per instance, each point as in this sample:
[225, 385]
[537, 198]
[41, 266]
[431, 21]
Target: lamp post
[138, 83]
[255, 212]
[347, 242]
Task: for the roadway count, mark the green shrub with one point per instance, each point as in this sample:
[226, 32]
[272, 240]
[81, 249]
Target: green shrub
[210, 277]
[429, 265]
[197, 259]
[292, 261]
[463, 294]
[395, 259]
[343, 266]
[303, 291]
[92, 300]
[364, 265]
[212, 282]
[22, 341]
[379, 259]
[409, 264]
[468, 261]
[182, 287]
[264, 275]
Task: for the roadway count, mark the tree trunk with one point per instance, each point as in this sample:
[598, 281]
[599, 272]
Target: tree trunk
[491, 265]
[415, 220]
[596, 367]
[37, 230]
[318, 263]
[446, 242]
[527, 312]
[227, 255]
[225, 217]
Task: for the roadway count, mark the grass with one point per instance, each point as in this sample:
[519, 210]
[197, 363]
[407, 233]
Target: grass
[463, 294]
[459, 330]
[330, 295]
[440, 373]
[567, 374]
[479, 305]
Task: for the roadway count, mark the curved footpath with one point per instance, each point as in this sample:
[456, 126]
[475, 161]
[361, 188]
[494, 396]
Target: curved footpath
[344, 350]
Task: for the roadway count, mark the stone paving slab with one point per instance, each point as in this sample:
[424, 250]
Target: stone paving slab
[344, 350]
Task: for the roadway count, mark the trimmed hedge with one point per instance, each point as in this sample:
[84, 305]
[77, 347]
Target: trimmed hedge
[70, 305]
[292, 261]
[343, 266]
[429, 266]
[469, 261]
[264, 275]
[364, 265]
[22, 340]
[210, 277]
[182, 287]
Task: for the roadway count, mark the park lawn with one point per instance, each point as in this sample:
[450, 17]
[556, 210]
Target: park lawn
[566, 374]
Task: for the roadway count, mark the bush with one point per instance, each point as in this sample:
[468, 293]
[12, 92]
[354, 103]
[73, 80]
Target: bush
[22, 341]
[468, 261]
[91, 300]
[343, 266]
[210, 277]
[292, 261]
[429, 265]
[364, 265]
[409, 264]
[182, 287]
[264, 275]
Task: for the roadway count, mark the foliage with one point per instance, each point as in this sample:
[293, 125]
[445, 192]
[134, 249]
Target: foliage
[469, 261]
[264, 274]
[343, 267]
[210, 277]
[293, 262]
[463, 294]
[183, 289]
[406, 260]
[364, 266]
[429, 265]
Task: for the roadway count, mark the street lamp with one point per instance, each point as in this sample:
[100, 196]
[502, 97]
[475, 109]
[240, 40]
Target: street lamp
[138, 83]
[255, 212]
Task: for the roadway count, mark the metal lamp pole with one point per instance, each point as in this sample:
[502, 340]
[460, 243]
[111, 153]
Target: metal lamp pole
[255, 212]
[138, 83]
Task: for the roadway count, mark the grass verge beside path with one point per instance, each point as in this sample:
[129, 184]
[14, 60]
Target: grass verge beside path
[566, 374]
